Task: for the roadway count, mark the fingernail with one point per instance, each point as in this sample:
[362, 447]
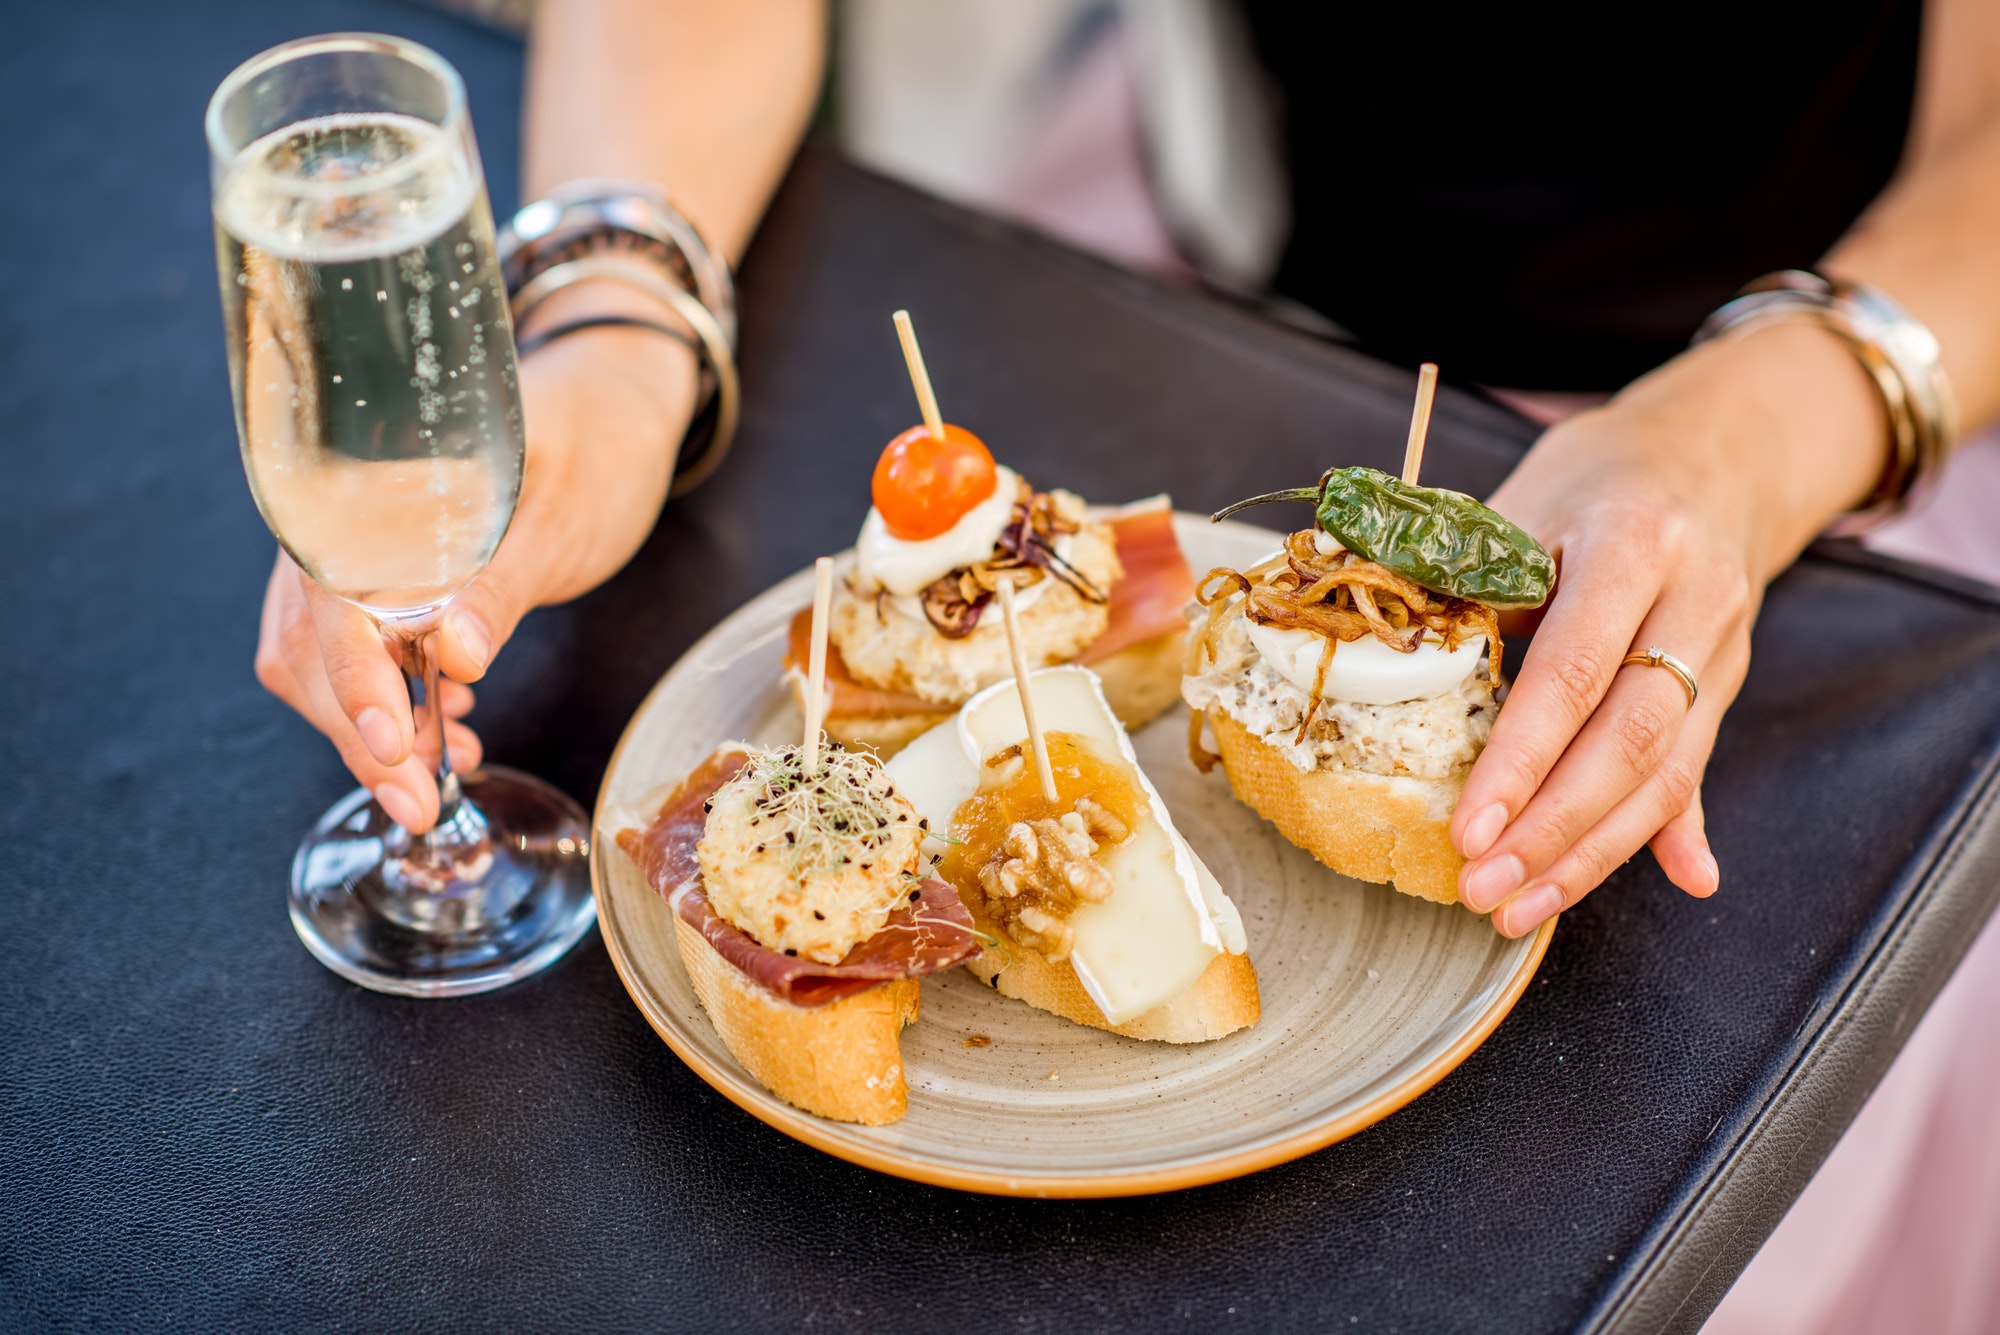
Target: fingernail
[1714, 871]
[400, 806]
[1490, 882]
[1483, 829]
[380, 735]
[1529, 910]
[472, 637]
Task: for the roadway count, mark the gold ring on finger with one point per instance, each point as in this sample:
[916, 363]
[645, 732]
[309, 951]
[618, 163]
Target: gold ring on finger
[1660, 658]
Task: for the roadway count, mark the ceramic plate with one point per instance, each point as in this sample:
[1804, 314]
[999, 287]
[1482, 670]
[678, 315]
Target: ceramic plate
[1369, 997]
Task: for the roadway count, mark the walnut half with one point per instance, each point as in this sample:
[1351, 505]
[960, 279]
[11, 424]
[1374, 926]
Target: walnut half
[1044, 870]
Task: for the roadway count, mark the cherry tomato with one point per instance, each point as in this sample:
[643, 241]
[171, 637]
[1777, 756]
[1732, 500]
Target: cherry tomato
[924, 485]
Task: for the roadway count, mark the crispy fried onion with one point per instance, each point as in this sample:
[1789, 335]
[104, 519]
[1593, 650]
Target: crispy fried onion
[1024, 554]
[1341, 597]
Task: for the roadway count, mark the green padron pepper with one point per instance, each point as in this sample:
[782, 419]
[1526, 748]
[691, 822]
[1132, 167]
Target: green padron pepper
[1444, 540]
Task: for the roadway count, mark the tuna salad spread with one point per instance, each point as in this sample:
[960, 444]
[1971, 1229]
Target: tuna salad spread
[1432, 738]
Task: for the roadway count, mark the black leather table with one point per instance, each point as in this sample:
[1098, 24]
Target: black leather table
[201, 1128]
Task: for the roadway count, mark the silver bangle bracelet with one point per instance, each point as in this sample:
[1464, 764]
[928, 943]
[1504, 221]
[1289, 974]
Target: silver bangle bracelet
[1900, 354]
[715, 349]
[596, 214]
[626, 232]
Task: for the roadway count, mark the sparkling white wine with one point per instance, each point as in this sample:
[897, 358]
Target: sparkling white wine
[371, 355]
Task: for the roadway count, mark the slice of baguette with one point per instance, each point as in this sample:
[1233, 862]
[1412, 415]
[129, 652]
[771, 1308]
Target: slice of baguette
[1140, 681]
[1221, 1001]
[1373, 827]
[1143, 680]
[841, 1060]
[884, 734]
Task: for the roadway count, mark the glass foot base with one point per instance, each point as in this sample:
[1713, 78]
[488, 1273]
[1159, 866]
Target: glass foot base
[498, 892]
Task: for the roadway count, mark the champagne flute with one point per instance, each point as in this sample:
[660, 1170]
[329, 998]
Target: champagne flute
[371, 357]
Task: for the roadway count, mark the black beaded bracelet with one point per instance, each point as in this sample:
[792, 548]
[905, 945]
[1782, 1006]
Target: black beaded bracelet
[697, 463]
[543, 337]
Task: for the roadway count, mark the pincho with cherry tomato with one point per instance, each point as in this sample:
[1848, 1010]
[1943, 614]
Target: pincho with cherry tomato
[915, 628]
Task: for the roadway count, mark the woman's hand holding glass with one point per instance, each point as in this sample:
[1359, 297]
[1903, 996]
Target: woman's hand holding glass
[604, 409]
[1668, 510]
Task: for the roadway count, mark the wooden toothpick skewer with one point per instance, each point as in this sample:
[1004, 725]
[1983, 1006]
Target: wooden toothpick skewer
[1035, 740]
[816, 661]
[1420, 423]
[913, 356]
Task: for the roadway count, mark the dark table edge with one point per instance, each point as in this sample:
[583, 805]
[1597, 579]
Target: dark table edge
[1762, 1162]
[1847, 551]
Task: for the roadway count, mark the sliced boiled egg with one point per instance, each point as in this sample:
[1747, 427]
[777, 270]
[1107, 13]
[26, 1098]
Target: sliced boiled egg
[1165, 919]
[1367, 671]
[907, 566]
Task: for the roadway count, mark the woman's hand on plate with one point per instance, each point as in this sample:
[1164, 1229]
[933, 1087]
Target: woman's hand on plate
[1668, 510]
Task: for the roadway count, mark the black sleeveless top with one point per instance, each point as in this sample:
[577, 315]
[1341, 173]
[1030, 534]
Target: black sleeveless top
[1552, 195]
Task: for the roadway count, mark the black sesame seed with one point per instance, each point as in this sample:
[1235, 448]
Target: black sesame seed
[915, 895]
[708, 804]
[791, 837]
[880, 821]
[867, 866]
[792, 952]
[817, 914]
[760, 848]
[924, 824]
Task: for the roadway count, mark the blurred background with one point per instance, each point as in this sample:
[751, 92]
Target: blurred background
[1139, 130]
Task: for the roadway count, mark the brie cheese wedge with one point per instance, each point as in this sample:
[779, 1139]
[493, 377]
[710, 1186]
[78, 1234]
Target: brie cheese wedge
[1165, 919]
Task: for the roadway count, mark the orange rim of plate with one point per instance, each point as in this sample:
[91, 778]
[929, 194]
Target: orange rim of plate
[812, 1130]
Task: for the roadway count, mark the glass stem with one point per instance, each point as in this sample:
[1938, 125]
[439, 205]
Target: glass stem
[421, 672]
[438, 882]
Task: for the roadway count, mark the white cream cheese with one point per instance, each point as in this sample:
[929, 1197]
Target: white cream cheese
[1367, 671]
[1221, 909]
[1166, 918]
[907, 567]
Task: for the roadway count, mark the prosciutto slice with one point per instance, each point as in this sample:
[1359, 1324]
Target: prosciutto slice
[923, 936]
[1150, 599]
